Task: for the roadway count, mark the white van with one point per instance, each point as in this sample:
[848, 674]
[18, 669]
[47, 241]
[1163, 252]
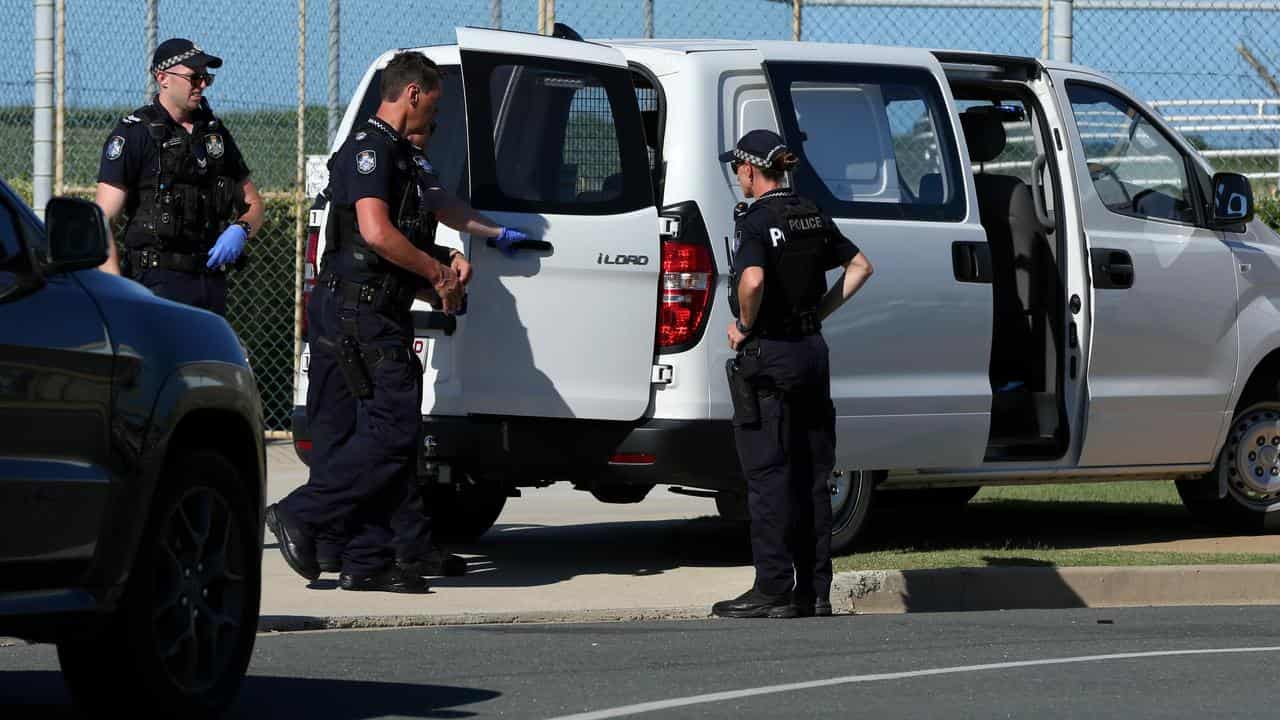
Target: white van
[1064, 292]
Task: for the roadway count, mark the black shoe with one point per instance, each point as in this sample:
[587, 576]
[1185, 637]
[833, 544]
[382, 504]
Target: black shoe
[391, 580]
[755, 604]
[808, 607]
[296, 546]
[436, 563]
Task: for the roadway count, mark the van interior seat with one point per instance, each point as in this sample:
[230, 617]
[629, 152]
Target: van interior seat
[1015, 237]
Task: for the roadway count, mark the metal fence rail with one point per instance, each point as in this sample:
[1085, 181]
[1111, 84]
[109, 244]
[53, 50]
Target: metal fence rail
[1207, 65]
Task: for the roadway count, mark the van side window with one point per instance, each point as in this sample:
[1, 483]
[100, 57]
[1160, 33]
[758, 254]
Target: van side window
[1135, 169]
[875, 141]
[555, 136]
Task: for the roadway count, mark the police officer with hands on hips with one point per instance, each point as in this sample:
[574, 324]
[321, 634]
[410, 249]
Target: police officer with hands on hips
[784, 420]
[173, 168]
[362, 510]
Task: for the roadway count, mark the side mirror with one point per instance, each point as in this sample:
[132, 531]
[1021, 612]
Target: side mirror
[77, 235]
[1232, 200]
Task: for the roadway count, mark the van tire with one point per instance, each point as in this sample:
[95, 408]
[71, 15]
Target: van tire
[853, 495]
[1252, 500]
[465, 510]
[203, 525]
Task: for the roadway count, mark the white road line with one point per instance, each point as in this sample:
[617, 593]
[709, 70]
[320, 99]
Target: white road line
[850, 679]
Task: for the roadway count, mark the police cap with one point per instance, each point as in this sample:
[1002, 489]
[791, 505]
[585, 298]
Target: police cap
[181, 51]
[758, 147]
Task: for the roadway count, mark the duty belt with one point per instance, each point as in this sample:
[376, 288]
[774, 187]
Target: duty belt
[147, 259]
[801, 325]
[378, 294]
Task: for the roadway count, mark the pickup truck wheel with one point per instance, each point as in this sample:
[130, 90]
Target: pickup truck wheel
[467, 509]
[181, 638]
[852, 495]
[1249, 467]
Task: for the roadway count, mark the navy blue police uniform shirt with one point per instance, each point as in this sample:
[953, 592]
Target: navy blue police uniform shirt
[754, 246]
[366, 167]
[130, 152]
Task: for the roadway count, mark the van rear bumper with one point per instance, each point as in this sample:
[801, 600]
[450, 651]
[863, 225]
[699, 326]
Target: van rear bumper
[690, 453]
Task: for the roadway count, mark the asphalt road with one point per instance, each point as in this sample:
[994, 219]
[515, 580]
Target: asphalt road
[1133, 663]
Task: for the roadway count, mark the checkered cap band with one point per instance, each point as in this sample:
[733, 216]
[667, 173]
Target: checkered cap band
[179, 58]
[756, 160]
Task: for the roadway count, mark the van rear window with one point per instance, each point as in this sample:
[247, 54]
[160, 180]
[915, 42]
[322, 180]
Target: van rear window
[874, 141]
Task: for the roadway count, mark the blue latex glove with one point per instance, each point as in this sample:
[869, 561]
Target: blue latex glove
[507, 239]
[229, 246]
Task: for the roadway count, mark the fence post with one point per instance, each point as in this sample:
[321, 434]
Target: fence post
[42, 127]
[495, 14]
[1062, 30]
[334, 60]
[60, 99]
[300, 248]
[1044, 29]
[542, 17]
[797, 19]
[551, 16]
[153, 22]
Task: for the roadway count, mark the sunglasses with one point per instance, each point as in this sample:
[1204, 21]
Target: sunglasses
[195, 78]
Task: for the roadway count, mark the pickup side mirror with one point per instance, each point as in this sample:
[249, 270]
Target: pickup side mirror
[77, 235]
[1232, 200]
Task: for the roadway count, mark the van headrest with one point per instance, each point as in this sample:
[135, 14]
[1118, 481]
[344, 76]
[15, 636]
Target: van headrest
[984, 134]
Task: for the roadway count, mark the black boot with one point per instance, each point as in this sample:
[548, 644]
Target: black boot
[392, 579]
[297, 547]
[755, 604]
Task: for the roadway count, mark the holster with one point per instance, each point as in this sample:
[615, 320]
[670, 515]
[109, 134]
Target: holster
[350, 363]
[746, 401]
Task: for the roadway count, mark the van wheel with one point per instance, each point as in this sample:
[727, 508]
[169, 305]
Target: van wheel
[1249, 467]
[181, 638]
[949, 497]
[464, 511]
[852, 495]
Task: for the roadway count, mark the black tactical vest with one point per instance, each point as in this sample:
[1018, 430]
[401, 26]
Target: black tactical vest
[795, 281]
[347, 254]
[183, 203]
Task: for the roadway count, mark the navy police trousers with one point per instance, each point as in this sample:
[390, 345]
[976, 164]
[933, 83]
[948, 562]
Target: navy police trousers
[362, 500]
[788, 458]
[202, 290]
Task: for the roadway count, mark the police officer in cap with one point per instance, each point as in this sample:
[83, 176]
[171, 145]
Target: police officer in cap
[173, 168]
[784, 420]
[362, 501]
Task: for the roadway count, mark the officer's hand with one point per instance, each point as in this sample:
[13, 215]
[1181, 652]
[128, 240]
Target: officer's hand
[460, 265]
[449, 289]
[507, 239]
[736, 338]
[228, 248]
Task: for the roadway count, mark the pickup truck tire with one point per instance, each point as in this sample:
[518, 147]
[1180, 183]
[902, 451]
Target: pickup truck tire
[852, 496]
[1249, 467]
[464, 511]
[181, 638]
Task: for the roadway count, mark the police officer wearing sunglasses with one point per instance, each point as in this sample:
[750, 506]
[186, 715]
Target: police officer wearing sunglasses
[174, 171]
[784, 421]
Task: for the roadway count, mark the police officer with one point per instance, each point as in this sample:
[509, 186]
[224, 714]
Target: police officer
[365, 393]
[784, 422]
[174, 169]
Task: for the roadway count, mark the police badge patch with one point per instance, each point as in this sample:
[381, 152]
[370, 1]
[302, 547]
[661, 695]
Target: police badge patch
[366, 161]
[115, 148]
[213, 145]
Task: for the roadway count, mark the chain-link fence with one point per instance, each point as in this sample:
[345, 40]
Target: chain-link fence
[1207, 65]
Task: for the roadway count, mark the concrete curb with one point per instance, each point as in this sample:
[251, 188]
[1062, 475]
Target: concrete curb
[893, 591]
[1012, 587]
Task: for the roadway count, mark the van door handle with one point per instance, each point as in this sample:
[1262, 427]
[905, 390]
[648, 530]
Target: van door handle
[1112, 269]
[971, 261]
[538, 245]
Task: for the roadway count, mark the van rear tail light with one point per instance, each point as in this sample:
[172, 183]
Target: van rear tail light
[686, 292]
[688, 278]
[309, 272]
[633, 459]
